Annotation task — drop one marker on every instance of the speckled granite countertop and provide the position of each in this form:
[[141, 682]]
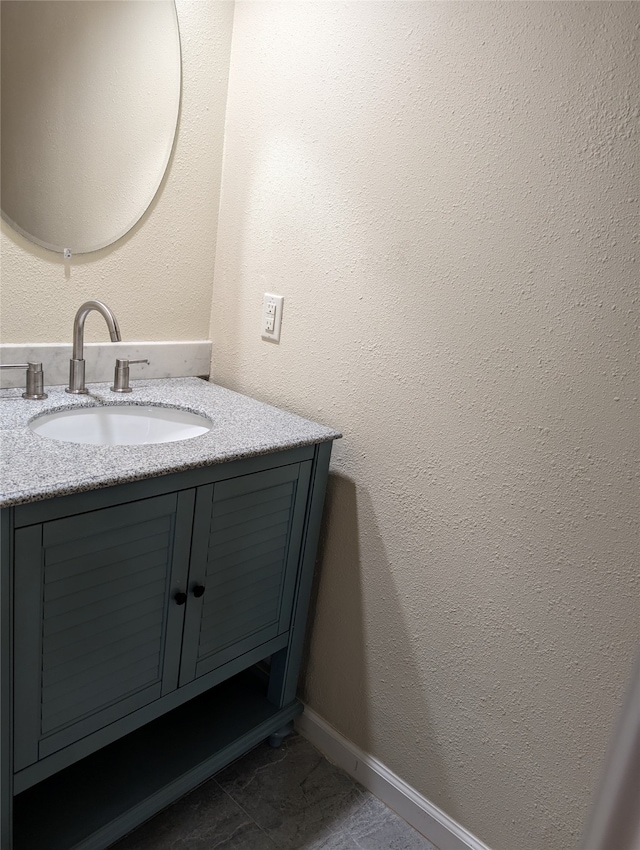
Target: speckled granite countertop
[[34, 468]]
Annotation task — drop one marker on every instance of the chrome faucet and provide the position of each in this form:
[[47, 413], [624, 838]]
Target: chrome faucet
[[77, 364]]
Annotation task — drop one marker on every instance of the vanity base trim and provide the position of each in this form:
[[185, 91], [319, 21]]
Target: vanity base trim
[[147, 770], [63, 758]]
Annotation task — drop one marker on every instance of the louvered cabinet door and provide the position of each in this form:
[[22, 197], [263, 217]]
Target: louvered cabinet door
[[244, 561], [97, 634]]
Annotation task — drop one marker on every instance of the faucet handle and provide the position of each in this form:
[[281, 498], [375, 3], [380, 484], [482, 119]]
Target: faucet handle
[[35, 379], [121, 375]]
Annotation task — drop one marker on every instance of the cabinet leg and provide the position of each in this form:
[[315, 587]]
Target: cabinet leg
[[278, 737]]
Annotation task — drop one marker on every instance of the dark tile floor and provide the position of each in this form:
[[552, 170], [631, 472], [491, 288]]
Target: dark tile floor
[[289, 798]]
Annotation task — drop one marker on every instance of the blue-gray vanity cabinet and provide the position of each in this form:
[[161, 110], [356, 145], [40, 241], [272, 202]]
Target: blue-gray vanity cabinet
[[132, 603], [136, 609]]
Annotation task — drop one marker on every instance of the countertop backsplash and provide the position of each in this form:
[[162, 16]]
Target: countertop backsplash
[[166, 360]]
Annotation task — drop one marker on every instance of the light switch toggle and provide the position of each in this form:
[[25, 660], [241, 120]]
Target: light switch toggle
[[272, 316]]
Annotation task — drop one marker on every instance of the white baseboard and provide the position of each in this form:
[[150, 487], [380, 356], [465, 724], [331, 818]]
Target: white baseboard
[[430, 821]]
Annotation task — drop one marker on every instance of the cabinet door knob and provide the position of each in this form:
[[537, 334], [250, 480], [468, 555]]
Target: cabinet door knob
[[180, 597], [198, 590]]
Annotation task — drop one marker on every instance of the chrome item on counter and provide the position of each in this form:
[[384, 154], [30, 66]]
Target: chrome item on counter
[[121, 375], [77, 364], [34, 380]]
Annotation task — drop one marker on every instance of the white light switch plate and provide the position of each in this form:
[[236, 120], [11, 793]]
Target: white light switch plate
[[272, 316]]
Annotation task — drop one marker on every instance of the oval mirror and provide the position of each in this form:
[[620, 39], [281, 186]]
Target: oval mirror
[[90, 100]]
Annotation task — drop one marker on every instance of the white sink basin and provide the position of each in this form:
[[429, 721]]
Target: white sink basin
[[124, 425]]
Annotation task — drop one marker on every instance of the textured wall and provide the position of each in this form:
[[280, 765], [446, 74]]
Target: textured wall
[[158, 278], [445, 195]]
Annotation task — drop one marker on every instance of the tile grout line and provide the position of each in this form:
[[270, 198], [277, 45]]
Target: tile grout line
[[242, 808]]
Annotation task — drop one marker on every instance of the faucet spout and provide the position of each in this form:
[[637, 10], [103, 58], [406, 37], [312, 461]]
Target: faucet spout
[[78, 325], [77, 363]]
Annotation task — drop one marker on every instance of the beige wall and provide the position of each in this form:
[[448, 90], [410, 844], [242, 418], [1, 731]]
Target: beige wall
[[158, 278], [445, 195]]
